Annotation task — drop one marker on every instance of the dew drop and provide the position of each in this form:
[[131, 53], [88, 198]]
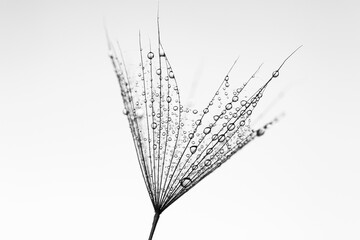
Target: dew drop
[[168, 99], [207, 130], [193, 149], [125, 112], [185, 182], [221, 138], [206, 110], [214, 137], [216, 117], [153, 125], [260, 132], [150, 55], [228, 106], [227, 78], [171, 74], [198, 122], [191, 135], [231, 127], [207, 162], [275, 74], [195, 111], [235, 98], [158, 71]]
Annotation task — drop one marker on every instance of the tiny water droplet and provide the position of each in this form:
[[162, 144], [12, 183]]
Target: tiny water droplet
[[150, 55], [221, 138], [207, 130], [228, 106], [275, 74], [185, 182], [195, 111], [191, 135], [207, 162], [231, 127], [260, 132], [193, 149]]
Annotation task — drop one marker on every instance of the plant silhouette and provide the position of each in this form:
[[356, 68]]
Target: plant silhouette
[[176, 146]]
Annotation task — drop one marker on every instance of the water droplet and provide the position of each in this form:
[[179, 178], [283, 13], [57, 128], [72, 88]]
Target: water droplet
[[231, 127], [193, 149], [235, 98], [191, 135], [214, 137], [228, 106], [153, 125], [207, 130], [150, 55], [185, 182], [168, 99], [260, 132], [198, 122], [275, 74], [171, 74], [125, 112], [227, 78], [195, 111], [207, 162], [158, 71], [216, 117], [221, 138], [206, 110], [243, 103]]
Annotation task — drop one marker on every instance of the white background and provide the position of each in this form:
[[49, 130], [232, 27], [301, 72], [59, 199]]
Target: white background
[[68, 168]]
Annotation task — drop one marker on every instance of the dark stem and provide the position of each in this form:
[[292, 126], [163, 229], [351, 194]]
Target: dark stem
[[155, 221]]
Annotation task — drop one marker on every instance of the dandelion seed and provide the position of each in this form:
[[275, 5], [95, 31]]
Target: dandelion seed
[[176, 146]]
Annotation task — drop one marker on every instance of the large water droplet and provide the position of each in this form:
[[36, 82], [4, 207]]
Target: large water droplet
[[193, 149]]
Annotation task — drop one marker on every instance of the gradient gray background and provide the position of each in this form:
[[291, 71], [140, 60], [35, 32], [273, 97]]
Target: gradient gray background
[[68, 168]]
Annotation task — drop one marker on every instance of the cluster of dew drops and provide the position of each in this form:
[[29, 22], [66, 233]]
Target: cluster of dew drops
[[205, 140]]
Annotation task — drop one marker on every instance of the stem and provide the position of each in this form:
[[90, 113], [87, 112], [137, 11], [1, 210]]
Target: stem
[[155, 221]]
